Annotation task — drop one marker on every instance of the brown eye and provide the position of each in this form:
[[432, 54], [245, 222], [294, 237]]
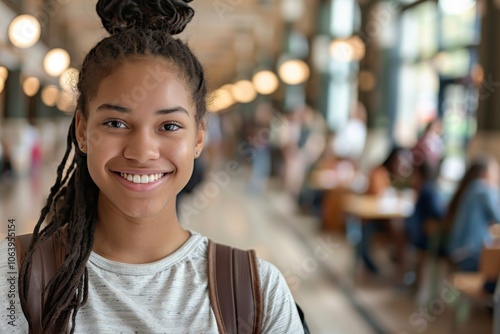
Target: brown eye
[[171, 126], [114, 123]]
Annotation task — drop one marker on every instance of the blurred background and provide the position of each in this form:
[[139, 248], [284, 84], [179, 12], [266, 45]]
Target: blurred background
[[339, 135]]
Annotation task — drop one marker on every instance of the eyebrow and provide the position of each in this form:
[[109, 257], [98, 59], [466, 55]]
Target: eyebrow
[[125, 110]]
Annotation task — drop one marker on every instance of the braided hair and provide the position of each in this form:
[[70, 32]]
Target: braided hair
[[138, 29]]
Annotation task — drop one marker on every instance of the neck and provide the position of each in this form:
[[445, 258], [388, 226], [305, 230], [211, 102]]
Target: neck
[[126, 239]]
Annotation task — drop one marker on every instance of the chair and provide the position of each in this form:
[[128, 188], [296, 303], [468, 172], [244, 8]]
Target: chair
[[471, 284]]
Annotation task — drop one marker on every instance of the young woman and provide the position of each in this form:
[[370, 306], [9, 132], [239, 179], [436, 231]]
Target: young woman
[[130, 266], [473, 208]]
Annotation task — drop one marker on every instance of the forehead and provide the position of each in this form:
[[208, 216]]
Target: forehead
[[144, 81]]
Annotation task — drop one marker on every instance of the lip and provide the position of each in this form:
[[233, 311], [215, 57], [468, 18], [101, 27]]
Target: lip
[[141, 171], [141, 187]]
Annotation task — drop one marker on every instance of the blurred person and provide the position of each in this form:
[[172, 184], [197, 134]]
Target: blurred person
[[305, 131], [322, 177], [33, 133], [260, 141], [430, 206], [350, 140], [127, 263], [424, 226], [473, 208], [292, 163], [381, 180], [429, 147]]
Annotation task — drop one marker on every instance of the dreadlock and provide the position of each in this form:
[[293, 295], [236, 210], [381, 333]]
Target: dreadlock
[[139, 29]]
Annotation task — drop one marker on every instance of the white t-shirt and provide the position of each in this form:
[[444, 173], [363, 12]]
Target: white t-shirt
[[166, 296]]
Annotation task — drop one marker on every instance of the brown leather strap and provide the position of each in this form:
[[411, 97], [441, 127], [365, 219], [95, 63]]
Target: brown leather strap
[[212, 287], [234, 289], [46, 259], [246, 293], [256, 290]]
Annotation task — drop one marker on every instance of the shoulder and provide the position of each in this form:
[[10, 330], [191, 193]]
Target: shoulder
[[280, 311], [480, 189], [270, 275], [273, 284]]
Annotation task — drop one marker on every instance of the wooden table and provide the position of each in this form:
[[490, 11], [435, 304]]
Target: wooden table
[[489, 265], [361, 209], [370, 207], [365, 208]]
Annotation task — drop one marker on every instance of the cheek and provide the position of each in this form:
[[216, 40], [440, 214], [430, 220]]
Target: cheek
[[99, 151], [95, 138], [180, 154], [95, 164], [181, 148]]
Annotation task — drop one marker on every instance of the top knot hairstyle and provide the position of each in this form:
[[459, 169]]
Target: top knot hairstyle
[[169, 16], [140, 29]]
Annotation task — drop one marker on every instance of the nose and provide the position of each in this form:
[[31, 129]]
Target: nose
[[142, 146]]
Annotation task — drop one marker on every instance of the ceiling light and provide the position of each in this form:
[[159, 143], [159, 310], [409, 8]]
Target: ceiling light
[[243, 91], [348, 49], [265, 82], [24, 31], [222, 99], [49, 95], [31, 86], [56, 61], [294, 72]]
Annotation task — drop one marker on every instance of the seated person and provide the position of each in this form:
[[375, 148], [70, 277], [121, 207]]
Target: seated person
[[473, 208], [428, 213], [320, 178], [381, 179], [429, 207]]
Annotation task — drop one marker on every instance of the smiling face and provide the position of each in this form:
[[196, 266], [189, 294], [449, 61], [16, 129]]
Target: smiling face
[[141, 138]]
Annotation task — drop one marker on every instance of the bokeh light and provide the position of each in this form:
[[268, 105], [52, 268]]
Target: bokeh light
[[24, 31]]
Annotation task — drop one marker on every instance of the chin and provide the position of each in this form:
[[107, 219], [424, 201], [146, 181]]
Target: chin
[[147, 210]]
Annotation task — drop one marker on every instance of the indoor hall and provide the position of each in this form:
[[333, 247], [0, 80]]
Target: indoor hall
[[351, 143]]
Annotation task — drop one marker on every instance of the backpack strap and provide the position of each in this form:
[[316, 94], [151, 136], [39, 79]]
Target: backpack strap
[[46, 259], [234, 289]]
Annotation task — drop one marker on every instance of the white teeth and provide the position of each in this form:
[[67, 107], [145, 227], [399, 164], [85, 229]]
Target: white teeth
[[136, 178]]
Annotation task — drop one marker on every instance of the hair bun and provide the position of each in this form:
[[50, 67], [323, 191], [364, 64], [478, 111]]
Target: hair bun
[[171, 16]]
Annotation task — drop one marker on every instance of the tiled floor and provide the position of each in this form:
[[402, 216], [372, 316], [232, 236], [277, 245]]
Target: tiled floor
[[317, 266]]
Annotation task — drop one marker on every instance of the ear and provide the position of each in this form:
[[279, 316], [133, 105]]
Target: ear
[[81, 130], [200, 138]]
